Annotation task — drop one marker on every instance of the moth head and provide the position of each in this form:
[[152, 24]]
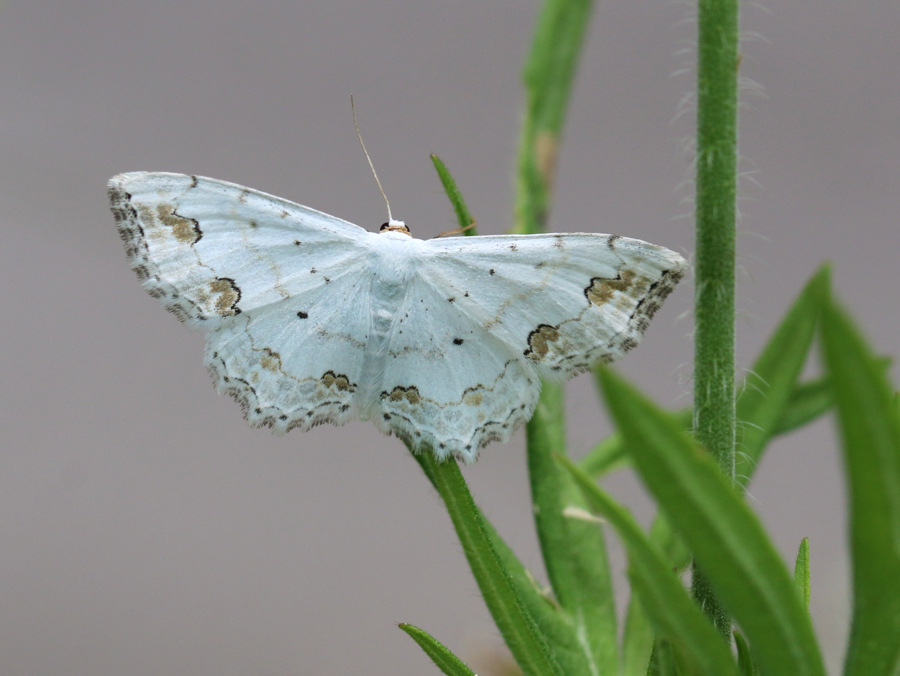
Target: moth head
[[394, 226]]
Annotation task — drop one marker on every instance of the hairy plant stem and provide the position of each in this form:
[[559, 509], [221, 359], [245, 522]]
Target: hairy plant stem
[[714, 399]]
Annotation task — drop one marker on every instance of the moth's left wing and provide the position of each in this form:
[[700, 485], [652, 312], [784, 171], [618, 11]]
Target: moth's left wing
[[564, 301], [210, 250], [299, 362], [283, 290]]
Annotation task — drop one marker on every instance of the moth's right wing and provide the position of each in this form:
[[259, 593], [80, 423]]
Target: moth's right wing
[[563, 301]]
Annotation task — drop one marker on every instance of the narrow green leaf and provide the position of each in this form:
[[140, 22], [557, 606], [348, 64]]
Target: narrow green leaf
[[550, 69], [810, 399], [801, 573], [463, 217], [726, 537], [556, 626], [744, 656], [548, 77], [673, 548], [502, 590], [445, 660], [574, 551], [637, 639], [778, 365], [662, 660], [673, 613], [768, 386], [771, 401], [870, 431], [608, 456]]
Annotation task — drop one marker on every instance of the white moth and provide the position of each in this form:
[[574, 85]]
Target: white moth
[[442, 342]]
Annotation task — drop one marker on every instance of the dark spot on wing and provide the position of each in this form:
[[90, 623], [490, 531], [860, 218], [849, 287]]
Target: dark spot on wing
[[601, 290], [337, 380], [539, 341], [227, 294], [400, 393], [185, 230]]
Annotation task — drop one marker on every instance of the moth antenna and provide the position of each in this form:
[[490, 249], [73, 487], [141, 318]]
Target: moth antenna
[[391, 221]]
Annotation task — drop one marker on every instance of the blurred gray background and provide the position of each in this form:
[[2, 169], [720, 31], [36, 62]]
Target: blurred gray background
[[145, 529]]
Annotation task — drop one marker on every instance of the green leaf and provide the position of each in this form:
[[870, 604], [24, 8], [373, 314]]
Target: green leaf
[[551, 65], [809, 400], [463, 217], [512, 604], [801, 573], [445, 660], [574, 551], [776, 368], [637, 639], [744, 656], [771, 401], [769, 385], [662, 660], [548, 77], [556, 626], [870, 431], [673, 613], [726, 537], [609, 455]]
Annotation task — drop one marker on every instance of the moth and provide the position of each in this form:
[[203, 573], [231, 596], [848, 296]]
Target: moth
[[441, 342]]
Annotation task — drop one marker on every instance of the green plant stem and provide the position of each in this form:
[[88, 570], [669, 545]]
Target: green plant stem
[[714, 398]]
